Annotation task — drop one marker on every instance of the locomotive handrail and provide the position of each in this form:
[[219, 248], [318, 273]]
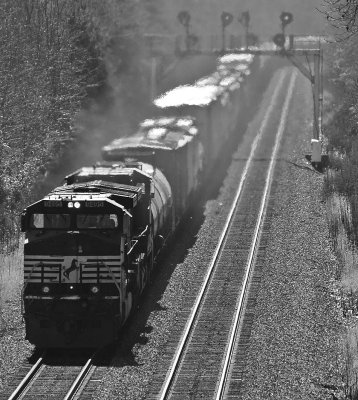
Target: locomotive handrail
[[32, 270], [113, 277], [142, 233], [25, 284], [136, 239]]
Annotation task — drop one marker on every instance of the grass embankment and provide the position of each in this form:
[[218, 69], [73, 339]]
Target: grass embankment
[[341, 192], [342, 208]]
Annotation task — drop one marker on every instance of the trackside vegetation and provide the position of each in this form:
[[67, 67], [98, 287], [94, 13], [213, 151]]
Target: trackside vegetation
[[341, 180], [57, 57]]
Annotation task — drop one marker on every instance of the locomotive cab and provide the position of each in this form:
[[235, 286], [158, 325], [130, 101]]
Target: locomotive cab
[[75, 271]]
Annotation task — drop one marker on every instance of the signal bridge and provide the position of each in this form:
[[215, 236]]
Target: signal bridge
[[308, 59], [304, 52], [290, 51]]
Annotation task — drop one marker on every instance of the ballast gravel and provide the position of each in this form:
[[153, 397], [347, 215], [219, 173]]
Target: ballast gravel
[[296, 348]]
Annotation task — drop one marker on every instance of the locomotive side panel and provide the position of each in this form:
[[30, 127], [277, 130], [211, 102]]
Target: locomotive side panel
[[161, 205]]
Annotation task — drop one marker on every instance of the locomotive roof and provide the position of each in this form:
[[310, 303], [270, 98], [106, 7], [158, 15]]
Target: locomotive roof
[[118, 195], [112, 173], [126, 195], [163, 133], [92, 196], [99, 186]]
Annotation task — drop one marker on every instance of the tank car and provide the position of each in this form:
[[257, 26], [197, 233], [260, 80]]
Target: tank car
[[89, 252]]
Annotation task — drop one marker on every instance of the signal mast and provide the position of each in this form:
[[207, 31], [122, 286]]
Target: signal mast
[[315, 77], [285, 48]]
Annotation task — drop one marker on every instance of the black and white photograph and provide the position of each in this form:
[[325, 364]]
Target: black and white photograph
[[179, 199]]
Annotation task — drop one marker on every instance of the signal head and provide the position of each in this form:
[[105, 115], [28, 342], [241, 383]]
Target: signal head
[[226, 19], [184, 18], [244, 19], [279, 39], [286, 18]]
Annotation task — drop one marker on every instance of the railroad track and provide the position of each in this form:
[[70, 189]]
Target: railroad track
[[54, 378], [209, 361]]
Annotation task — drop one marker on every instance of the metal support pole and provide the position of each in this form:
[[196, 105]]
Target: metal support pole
[[223, 39], [321, 88], [187, 38], [316, 96], [153, 78], [317, 84]]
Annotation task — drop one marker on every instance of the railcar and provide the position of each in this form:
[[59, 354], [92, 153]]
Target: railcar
[[215, 102], [171, 144], [90, 243]]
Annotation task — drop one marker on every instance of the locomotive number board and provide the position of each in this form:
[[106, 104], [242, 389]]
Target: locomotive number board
[[94, 203], [59, 203]]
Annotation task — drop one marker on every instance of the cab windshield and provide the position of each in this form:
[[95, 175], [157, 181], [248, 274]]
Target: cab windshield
[[50, 221], [96, 221], [77, 221]]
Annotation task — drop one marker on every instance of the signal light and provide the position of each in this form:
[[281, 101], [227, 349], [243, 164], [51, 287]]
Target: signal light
[[45, 289], [279, 39], [286, 18], [244, 19], [94, 289], [226, 19], [184, 18]]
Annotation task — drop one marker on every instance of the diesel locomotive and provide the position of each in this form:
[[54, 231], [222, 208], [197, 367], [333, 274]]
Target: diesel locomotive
[[90, 244]]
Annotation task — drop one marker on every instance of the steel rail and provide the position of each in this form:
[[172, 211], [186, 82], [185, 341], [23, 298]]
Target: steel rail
[[29, 376], [80, 378], [24, 384], [189, 325], [259, 223]]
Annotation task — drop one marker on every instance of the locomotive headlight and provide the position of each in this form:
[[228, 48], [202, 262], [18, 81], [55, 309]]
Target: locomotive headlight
[[77, 204], [94, 289], [70, 204], [45, 289]]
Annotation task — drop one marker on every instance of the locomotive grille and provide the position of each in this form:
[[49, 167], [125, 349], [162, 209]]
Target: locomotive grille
[[42, 269]]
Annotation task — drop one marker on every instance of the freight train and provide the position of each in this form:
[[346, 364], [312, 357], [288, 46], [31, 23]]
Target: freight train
[[91, 243]]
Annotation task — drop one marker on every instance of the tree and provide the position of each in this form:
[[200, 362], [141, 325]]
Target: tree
[[343, 15]]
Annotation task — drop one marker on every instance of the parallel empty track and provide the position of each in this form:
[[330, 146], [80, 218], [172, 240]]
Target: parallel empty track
[[210, 358]]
